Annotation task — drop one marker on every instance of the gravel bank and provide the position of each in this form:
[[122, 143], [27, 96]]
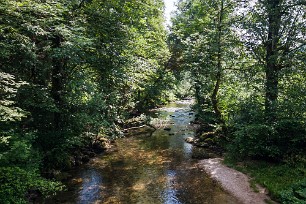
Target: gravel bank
[[234, 182]]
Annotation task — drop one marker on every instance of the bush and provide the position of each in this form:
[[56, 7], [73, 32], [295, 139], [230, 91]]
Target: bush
[[270, 141], [16, 183], [19, 169], [296, 194], [256, 141], [291, 135]]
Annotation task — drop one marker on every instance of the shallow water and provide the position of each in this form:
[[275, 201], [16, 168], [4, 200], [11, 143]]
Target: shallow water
[[155, 168]]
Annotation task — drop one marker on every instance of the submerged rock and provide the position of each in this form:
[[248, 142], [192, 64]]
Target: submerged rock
[[200, 143], [76, 181], [189, 140], [138, 130]]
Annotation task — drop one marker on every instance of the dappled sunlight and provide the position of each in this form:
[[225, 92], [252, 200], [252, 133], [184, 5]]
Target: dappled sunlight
[[155, 169]]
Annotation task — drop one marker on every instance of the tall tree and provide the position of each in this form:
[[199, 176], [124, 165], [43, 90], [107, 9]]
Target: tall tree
[[206, 43], [214, 95], [275, 36]]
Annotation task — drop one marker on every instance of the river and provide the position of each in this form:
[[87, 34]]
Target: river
[[148, 169]]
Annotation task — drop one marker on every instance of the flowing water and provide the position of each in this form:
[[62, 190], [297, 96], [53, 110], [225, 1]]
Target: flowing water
[[154, 168]]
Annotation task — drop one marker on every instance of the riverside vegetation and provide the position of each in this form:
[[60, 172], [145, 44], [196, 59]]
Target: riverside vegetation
[[73, 72]]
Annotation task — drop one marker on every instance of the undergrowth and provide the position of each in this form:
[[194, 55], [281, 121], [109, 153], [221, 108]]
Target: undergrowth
[[285, 182]]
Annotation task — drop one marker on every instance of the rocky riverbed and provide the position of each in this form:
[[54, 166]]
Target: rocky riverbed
[[155, 167]]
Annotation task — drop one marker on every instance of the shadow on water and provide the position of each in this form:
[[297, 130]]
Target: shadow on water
[[148, 169]]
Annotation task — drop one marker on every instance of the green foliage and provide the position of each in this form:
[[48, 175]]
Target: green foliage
[[17, 150], [131, 59], [72, 71], [291, 136], [8, 90], [19, 169], [255, 140], [204, 49], [184, 88], [296, 194], [285, 182], [16, 183], [246, 64]]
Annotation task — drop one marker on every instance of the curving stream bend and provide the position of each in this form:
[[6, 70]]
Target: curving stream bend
[[151, 169]]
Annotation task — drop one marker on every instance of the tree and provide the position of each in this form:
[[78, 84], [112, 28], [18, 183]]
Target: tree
[[207, 41], [246, 60], [274, 34]]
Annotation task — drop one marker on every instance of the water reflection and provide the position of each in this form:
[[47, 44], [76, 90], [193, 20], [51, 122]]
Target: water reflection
[[169, 194], [187, 150], [90, 189], [155, 169]]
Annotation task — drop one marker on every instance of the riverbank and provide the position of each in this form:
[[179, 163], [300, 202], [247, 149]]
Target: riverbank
[[235, 182], [283, 181], [148, 168]]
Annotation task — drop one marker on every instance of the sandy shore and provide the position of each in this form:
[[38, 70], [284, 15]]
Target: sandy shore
[[234, 182]]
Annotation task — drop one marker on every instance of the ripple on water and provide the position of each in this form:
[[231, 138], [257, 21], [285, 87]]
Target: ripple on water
[[149, 170], [90, 189], [169, 194]]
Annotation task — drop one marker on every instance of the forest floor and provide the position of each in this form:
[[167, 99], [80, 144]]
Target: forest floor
[[235, 182]]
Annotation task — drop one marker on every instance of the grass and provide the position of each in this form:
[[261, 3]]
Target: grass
[[276, 177]]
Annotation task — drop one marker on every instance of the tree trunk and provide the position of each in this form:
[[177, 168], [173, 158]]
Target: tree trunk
[[214, 96], [197, 93], [272, 71], [214, 99]]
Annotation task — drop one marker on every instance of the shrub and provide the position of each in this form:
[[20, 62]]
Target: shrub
[[291, 136], [274, 141], [296, 194], [255, 140], [17, 182]]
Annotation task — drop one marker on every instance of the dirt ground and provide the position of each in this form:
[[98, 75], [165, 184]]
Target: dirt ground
[[235, 182]]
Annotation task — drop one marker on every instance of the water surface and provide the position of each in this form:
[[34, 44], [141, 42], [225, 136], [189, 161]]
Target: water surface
[[154, 168]]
